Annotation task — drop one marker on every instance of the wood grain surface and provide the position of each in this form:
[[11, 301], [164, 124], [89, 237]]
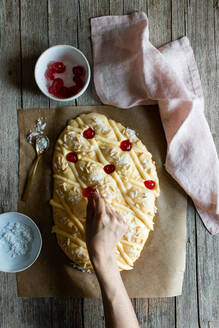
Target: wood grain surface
[[26, 29]]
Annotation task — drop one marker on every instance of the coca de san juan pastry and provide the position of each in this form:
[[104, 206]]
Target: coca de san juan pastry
[[97, 153]]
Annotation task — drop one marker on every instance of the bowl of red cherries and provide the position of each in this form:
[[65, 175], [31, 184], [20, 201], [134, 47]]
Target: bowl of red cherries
[[62, 73]]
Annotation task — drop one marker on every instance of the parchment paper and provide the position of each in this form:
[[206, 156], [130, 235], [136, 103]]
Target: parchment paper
[[160, 269]]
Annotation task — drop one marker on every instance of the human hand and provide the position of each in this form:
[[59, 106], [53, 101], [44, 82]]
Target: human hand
[[104, 229]]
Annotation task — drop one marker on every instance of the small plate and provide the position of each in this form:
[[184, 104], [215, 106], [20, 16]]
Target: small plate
[[20, 262]]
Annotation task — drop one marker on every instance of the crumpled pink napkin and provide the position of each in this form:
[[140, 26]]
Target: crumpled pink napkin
[[129, 71]]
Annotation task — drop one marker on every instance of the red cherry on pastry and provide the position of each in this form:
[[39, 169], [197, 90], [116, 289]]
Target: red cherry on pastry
[[126, 145], [89, 133], [72, 157], [150, 184], [57, 67], [88, 192], [109, 168]]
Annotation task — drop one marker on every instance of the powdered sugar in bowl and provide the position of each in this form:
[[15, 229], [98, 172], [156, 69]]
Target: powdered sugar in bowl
[[20, 242], [57, 73]]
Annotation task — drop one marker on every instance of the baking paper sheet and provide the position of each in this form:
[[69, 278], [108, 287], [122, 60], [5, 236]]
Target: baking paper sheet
[[160, 269]]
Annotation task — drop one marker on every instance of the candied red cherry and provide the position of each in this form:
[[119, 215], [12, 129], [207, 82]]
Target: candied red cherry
[[49, 74], [57, 67], [88, 192], [51, 91], [78, 70], [73, 90], [79, 82], [50, 67], [56, 86], [150, 184], [72, 157], [63, 92], [89, 133], [109, 168], [126, 145]]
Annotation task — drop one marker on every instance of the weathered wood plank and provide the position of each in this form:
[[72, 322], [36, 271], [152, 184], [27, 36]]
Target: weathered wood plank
[[161, 312], [207, 271], [86, 10], [9, 99], [66, 312], [12, 309], [141, 309], [33, 312], [159, 14], [135, 5], [116, 7], [63, 29], [216, 54], [92, 309], [93, 314], [140, 305], [186, 304], [201, 29], [8, 303], [34, 40], [178, 13]]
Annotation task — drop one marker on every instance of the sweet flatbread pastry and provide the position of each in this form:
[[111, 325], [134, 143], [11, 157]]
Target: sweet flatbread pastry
[[97, 153]]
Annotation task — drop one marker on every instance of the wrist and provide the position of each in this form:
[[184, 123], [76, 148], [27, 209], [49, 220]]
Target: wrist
[[108, 276], [104, 265], [101, 261]]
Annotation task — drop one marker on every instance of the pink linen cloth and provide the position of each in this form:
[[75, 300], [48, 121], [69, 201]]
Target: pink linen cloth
[[130, 71]]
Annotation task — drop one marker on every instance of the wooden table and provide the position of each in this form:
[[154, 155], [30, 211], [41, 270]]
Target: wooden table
[[28, 28]]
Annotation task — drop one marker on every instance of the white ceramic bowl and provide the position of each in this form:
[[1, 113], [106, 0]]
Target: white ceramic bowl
[[20, 262], [70, 56]]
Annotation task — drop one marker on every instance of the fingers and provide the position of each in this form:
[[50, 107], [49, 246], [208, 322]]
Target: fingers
[[121, 220], [115, 215], [99, 205], [119, 217], [109, 211]]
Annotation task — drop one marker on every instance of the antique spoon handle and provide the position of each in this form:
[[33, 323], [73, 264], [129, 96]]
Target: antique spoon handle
[[30, 178]]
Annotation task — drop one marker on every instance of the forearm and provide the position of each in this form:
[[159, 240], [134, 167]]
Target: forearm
[[118, 309]]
